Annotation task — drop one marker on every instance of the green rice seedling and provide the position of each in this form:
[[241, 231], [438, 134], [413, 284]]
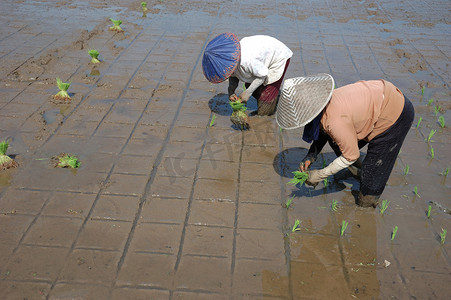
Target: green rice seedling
[[419, 121], [144, 7], [239, 116], [415, 191], [299, 178], [116, 25], [334, 205], [422, 91], [94, 56], [437, 109], [428, 212], [63, 87], [445, 172], [6, 162], [289, 201], [326, 182], [431, 134], [443, 236], [384, 206], [441, 121], [344, 225], [213, 119], [431, 150], [430, 101], [296, 226], [406, 170], [393, 234], [64, 160]]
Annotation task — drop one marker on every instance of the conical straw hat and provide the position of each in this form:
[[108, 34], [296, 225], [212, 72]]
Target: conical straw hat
[[302, 99], [221, 57]]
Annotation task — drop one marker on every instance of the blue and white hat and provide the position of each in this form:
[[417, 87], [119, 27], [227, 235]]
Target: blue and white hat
[[221, 57]]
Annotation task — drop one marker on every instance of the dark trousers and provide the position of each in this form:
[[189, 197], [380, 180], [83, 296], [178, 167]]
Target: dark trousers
[[382, 152]]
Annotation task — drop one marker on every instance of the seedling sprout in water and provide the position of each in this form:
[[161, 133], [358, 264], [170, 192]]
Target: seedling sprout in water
[[289, 201], [213, 119], [441, 121], [299, 178], [94, 56], [430, 101], [415, 191], [384, 206], [334, 205], [437, 109], [431, 134], [344, 225], [6, 162], [443, 236], [326, 182], [393, 234], [432, 152], [64, 160], [63, 87], [419, 121], [445, 173], [296, 226], [428, 212], [116, 25], [406, 170]]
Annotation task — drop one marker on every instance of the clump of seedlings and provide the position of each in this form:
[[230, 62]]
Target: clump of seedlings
[[384, 206], [239, 116], [393, 234], [6, 162], [443, 236], [299, 178], [296, 226], [344, 225], [144, 8], [64, 160], [94, 56], [116, 25], [441, 121], [62, 95]]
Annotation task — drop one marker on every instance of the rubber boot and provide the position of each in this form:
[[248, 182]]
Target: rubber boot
[[367, 201]]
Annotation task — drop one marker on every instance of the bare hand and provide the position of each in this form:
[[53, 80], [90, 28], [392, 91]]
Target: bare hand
[[233, 97], [303, 166]]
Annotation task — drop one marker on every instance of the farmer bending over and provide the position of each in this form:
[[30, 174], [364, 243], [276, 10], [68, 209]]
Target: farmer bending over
[[366, 112], [259, 61]]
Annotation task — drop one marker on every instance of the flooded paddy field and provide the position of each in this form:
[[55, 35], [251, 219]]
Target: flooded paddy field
[[170, 201]]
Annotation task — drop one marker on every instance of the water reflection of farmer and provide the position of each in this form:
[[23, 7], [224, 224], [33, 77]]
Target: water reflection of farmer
[[366, 112], [259, 61]]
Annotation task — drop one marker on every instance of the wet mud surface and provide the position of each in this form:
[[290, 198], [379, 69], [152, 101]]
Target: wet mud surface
[[167, 204]]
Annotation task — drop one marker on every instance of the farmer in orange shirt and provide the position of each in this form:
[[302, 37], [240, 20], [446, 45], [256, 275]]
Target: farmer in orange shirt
[[373, 113]]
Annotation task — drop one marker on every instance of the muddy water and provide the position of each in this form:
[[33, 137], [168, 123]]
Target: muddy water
[[167, 204]]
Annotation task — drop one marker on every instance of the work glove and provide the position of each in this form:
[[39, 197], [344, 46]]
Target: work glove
[[315, 177], [245, 96]]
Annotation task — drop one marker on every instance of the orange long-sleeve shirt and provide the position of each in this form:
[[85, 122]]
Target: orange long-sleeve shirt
[[361, 111]]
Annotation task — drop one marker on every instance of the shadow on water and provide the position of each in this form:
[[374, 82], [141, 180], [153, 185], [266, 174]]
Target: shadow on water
[[219, 104], [287, 161]]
